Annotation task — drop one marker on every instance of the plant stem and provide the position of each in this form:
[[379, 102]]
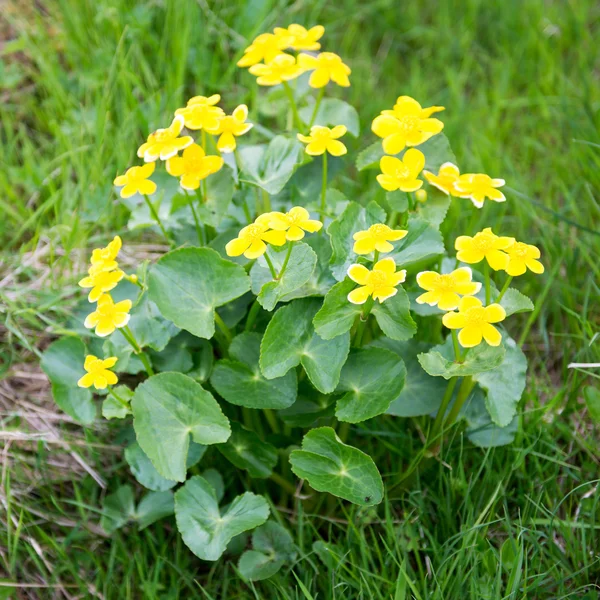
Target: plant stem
[[466, 387], [343, 431], [456, 346], [118, 398], [323, 188], [203, 182], [266, 201], [254, 309], [286, 260], [392, 219], [224, 329], [199, 232], [439, 417], [157, 218], [316, 109], [290, 95], [280, 481], [128, 335], [271, 419], [504, 288], [488, 293], [271, 266], [375, 257], [362, 322]]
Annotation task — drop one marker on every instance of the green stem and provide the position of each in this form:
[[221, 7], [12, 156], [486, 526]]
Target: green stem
[[118, 398], [316, 109], [266, 201], [323, 188], [466, 387], [343, 430], [271, 266], [457, 354], [290, 95], [375, 257], [504, 288], [254, 310], [128, 335], [488, 292], [203, 182], [362, 321], [199, 232], [157, 218], [439, 417], [280, 481], [392, 219], [271, 419], [286, 260], [224, 329]]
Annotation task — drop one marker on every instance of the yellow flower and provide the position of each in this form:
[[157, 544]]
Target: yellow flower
[[232, 126], [201, 113], [377, 237], [100, 282], [380, 283], [108, 316], [294, 223], [193, 166], [135, 181], [521, 257], [421, 196], [282, 68], [300, 37], [104, 259], [264, 48], [475, 322], [164, 143], [251, 239], [322, 139], [444, 290], [406, 125], [98, 373], [477, 187], [327, 66], [402, 174], [484, 244], [445, 179]]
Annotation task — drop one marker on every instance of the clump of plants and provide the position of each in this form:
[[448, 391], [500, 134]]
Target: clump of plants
[[286, 312]]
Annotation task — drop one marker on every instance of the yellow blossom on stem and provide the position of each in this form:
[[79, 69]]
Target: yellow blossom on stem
[[377, 238], [475, 322], [326, 67], [521, 257], [164, 143], [265, 47], [322, 139], [101, 282], [252, 240], [485, 244], [295, 222], [104, 259], [444, 181], [282, 68], [401, 174], [408, 124], [445, 290], [98, 373], [201, 113], [135, 181], [300, 37], [193, 166], [108, 316], [477, 187], [380, 283], [232, 126]]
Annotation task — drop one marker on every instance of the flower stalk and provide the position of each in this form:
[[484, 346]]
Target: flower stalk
[[128, 335]]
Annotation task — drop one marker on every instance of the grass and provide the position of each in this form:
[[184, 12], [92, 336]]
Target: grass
[[82, 82]]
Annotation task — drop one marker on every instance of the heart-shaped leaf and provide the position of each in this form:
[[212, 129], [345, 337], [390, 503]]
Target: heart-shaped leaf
[[331, 466], [153, 507], [190, 283], [372, 379], [481, 430], [114, 407], [514, 301], [168, 408], [205, 531], [332, 112], [422, 243], [219, 192]]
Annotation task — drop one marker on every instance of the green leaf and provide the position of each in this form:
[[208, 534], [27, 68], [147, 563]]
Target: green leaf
[[435, 209], [372, 379], [354, 218], [205, 531], [422, 243], [219, 192], [298, 271], [245, 450], [153, 507], [504, 384], [216, 481], [332, 112], [112, 408], [331, 466], [480, 428], [149, 327], [63, 364], [422, 393], [437, 151], [241, 382], [338, 315], [272, 547], [305, 413], [592, 401], [117, 509], [369, 157], [188, 284], [514, 301], [290, 340], [143, 470], [439, 361], [398, 201], [270, 166], [167, 409]]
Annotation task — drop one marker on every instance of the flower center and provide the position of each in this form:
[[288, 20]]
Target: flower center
[[378, 230], [329, 60], [446, 283], [227, 124], [378, 279], [193, 165], [484, 242], [475, 315], [408, 122], [162, 135], [481, 181], [519, 249], [254, 231], [402, 171]]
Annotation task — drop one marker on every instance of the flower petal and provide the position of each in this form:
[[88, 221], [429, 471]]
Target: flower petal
[[358, 273], [454, 320], [386, 265], [470, 336], [359, 295], [491, 335], [427, 280], [494, 313]]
